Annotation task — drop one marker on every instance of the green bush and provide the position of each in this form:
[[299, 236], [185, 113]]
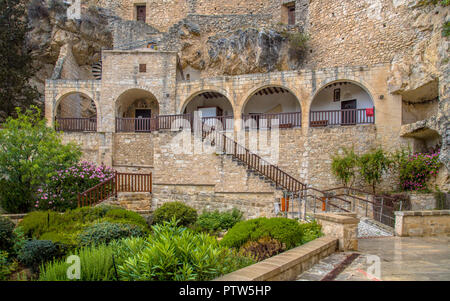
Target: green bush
[[184, 214], [176, 253], [264, 248], [344, 167], [65, 228], [31, 154], [6, 266], [105, 232], [310, 231], [36, 252], [7, 236], [285, 230], [216, 221]]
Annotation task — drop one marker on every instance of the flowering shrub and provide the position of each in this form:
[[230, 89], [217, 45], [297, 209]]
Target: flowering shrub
[[417, 169], [60, 192]]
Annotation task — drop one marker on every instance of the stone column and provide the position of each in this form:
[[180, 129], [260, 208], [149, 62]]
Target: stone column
[[344, 227]]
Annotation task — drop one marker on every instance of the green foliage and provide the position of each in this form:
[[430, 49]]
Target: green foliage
[[7, 236], [6, 266], [372, 166], [30, 154], [434, 2], [16, 63], [66, 228], [310, 231], [416, 169], [36, 252], [298, 43], [264, 248], [184, 214], [105, 232], [61, 190], [176, 253], [446, 29], [344, 167], [217, 221], [285, 230], [441, 200]]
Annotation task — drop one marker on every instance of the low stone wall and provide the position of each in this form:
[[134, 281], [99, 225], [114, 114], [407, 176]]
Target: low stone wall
[[422, 201], [342, 226], [136, 201], [422, 223], [288, 265], [15, 218]]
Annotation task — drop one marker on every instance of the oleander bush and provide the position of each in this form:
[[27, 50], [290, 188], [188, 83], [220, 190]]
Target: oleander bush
[[105, 232], [286, 231], [218, 221], [184, 214]]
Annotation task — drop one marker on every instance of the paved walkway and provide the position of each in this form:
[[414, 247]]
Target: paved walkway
[[400, 258]]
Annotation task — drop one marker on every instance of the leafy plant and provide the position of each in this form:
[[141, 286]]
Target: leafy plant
[[344, 167], [105, 232], [6, 266], [285, 230], [310, 231], [184, 214], [61, 190], [36, 252], [7, 236], [264, 248], [176, 253], [372, 166], [30, 154], [216, 221], [416, 169]]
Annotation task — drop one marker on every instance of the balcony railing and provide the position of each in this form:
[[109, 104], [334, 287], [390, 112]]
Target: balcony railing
[[342, 117], [267, 121], [76, 124]]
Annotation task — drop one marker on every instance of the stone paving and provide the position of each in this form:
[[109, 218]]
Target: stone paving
[[401, 259]]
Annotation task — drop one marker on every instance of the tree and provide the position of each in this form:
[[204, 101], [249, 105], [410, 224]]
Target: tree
[[15, 59], [372, 166], [30, 154], [344, 167]]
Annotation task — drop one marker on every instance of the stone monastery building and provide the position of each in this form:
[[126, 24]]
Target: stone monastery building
[[369, 73]]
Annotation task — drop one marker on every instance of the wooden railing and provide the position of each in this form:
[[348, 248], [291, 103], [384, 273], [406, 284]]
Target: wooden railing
[[120, 182], [266, 121], [342, 117], [76, 124]]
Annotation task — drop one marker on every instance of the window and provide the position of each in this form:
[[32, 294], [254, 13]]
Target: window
[[291, 15], [142, 68], [141, 13]]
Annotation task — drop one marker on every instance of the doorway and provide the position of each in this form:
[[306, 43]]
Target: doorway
[[143, 118], [348, 113]]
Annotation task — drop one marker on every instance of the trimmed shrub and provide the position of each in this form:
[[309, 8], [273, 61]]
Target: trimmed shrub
[[310, 231], [104, 233], [216, 221], [125, 216], [7, 236], [264, 248], [184, 214], [36, 252], [284, 230], [176, 253]]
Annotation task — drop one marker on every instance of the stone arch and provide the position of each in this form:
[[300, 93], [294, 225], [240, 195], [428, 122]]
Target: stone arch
[[63, 95], [341, 102], [221, 91], [132, 99]]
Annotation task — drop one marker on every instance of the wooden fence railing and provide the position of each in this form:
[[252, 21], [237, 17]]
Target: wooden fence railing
[[266, 121], [342, 117], [120, 182], [76, 124]]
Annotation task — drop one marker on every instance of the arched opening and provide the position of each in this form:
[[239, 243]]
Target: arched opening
[[214, 107], [76, 112], [135, 110], [342, 103], [272, 103]]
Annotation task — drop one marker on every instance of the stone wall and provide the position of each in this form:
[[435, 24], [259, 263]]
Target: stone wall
[[344, 227], [133, 150], [422, 223]]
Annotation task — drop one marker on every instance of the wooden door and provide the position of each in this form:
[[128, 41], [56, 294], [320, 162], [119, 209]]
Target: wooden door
[[348, 115], [142, 122], [141, 13]]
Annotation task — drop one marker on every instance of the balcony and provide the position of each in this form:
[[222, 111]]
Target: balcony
[[342, 117]]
